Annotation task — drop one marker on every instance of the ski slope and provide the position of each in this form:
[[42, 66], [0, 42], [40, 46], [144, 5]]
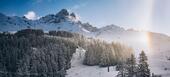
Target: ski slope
[[79, 70]]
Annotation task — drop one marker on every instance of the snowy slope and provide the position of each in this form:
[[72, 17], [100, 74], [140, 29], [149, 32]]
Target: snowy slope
[[159, 54], [13, 23], [79, 70], [155, 45]]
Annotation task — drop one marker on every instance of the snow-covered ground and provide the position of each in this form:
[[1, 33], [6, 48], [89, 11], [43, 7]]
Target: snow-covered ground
[[79, 70], [155, 45], [158, 55]]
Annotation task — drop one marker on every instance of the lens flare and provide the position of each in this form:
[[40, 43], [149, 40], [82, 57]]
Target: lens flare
[[147, 19], [145, 36]]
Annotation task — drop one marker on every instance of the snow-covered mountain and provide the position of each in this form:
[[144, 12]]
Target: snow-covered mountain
[[156, 45], [63, 20]]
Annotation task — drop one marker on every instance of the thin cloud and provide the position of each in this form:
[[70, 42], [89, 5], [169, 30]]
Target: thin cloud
[[78, 6]]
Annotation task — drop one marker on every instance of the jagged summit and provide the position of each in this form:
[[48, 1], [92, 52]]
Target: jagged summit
[[63, 12], [62, 16]]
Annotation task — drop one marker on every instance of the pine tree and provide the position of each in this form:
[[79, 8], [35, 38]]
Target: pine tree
[[131, 66], [128, 69], [143, 70], [123, 72]]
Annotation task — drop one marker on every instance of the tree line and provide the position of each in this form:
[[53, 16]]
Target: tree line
[[102, 53], [30, 53], [33, 53]]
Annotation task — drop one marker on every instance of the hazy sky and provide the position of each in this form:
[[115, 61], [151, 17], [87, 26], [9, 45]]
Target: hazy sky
[[151, 15]]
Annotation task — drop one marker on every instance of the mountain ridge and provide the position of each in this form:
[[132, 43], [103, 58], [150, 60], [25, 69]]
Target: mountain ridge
[[55, 22]]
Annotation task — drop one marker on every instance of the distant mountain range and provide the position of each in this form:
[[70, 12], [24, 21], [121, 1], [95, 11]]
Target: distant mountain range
[[63, 20]]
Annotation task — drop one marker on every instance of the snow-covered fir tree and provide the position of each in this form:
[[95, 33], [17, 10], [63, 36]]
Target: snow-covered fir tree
[[143, 70], [131, 69], [123, 72], [131, 66]]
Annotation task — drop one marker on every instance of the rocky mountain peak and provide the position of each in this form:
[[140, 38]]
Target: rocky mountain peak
[[63, 12], [73, 15]]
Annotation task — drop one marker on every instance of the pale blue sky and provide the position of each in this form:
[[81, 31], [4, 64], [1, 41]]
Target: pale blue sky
[[151, 15]]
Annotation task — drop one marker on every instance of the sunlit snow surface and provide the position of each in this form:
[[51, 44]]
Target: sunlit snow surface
[[79, 70], [158, 54], [155, 45]]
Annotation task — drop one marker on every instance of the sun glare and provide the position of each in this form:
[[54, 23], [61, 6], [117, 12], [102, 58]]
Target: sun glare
[[144, 39]]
